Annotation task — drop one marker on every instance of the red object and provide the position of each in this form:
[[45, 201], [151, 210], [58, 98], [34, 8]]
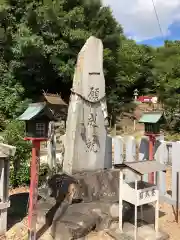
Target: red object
[[144, 99], [33, 194], [152, 140]]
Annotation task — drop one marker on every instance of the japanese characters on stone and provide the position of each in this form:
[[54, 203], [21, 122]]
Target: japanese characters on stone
[[93, 94], [92, 120], [91, 145]]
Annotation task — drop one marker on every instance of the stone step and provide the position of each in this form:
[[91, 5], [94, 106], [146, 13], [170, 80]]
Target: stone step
[[145, 232]]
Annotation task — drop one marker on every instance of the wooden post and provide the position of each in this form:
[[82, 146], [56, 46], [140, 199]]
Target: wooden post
[[32, 215], [141, 207], [157, 210], [135, 215], [120, 201], [177, 198], [151, 155], [3, 212]]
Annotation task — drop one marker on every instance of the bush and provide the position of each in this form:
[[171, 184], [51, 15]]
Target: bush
[[19, 165], [172, 137]]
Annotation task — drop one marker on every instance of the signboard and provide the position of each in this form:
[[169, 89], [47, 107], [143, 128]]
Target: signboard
[[147, 99]]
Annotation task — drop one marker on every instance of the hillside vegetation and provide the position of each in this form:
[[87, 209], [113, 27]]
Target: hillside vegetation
[[39, 43]]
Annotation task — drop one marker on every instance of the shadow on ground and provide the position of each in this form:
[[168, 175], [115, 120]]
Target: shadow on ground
[[18, 209], [148, 215]]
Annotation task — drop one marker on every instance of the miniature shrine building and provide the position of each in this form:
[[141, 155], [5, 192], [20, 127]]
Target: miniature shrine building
[[58, 106], [152, 122]]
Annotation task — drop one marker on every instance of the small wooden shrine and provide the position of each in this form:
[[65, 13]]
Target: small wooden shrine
[[37, 117], [56, 104], [139, 192], [152, 122]]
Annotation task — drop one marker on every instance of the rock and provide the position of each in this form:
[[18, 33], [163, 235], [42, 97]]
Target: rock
[[98, 185], [117, 235], [43, 208], [114, 210], [128, 210], [74, 225], [60, 231], [81, 218], [59, 184], [97, 193], [104, 224], [145, 232]]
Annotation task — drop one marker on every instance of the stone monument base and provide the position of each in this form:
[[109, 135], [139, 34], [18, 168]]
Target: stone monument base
[[145, 232]]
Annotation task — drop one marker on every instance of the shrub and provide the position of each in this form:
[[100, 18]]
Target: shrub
[[19, 165]]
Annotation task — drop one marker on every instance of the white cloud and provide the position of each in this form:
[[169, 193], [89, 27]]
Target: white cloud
[[138, 16]]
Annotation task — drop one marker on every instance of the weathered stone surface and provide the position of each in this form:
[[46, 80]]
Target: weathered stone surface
[[43, 208], [59, 184], [98, 185], [95, 191], [91, 186], [114, 210], [79, 218], [60, 232], [117, 235], [128, 211], [86, 135], [104, 224], [74, 225], [145, 232]]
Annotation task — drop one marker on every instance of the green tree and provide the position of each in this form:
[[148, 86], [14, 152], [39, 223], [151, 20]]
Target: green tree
[[167, 79]]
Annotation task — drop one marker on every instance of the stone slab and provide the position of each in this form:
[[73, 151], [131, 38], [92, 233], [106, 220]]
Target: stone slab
[[145, 232]]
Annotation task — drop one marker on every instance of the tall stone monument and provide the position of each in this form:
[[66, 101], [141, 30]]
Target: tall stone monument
[[86, 136]]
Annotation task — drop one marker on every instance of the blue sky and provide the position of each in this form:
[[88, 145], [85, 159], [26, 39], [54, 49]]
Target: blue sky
[[139, 20], [174, 34]]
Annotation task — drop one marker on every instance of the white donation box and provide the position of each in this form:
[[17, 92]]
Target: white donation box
[[139, 192]]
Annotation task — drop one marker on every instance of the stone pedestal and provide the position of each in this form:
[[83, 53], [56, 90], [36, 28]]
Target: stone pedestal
[[5, 152], [145, 232]]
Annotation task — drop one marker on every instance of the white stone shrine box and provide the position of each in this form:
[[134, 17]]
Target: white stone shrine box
[[6, 151], [139, 192]]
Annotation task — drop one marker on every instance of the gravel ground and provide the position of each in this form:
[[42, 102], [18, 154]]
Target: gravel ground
[[167, 222]]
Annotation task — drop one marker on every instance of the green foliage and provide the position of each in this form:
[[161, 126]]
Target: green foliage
[[39, 43], [13, 135], [167, 81], [172, 136]]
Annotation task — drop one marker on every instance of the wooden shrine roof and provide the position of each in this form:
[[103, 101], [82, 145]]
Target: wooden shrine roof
[[54, 99], [34, 110], [151, 117], [143, 167]]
